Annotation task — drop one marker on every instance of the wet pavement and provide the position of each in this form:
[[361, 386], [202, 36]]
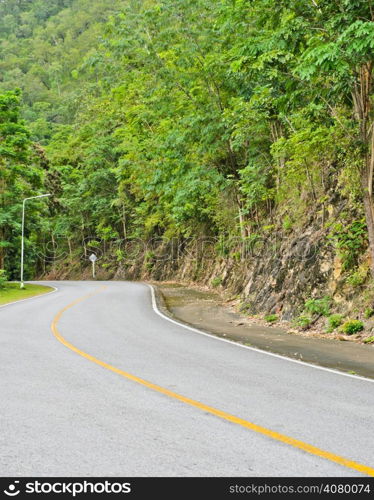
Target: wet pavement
[[206, 311]]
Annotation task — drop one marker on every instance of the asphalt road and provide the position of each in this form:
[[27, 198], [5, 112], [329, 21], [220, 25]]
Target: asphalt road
[[65, 415]]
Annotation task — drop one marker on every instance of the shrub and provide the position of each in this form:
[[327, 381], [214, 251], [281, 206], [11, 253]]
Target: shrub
[[369, 312], [357, 278], [333, 322], [271, 318], [149, 261], [303, 322], [350, 239], [369, 340], [287, 223], [318, 306], [3, 278], [352, 326], [216, 281], [236, 255]]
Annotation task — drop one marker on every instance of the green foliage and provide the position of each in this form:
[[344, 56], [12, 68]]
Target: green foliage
[[333, 322], [358, 277], [287, 223], [20, 176], [352, 326], [302, 321], [58, 35], [350, 240], [318, 306], [247, 308], [164, 118], [217, 281], [369, 312], [3, 278], [369, 340], [149, 260], [254, 181], [271, 318]]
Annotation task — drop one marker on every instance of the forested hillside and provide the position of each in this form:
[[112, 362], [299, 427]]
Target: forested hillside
[[247, 123]]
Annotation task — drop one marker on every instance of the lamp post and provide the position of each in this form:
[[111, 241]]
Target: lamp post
[[23, 231]]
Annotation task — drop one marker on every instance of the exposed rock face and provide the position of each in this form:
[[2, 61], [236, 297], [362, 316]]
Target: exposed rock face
[[277, 274]]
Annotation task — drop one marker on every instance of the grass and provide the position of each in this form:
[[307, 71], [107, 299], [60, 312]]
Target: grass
[[216, 281], [12, 292], [369, 340], [271, 318], [302, 322], [333, 322]]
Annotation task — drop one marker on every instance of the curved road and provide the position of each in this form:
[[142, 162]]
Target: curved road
[[64, 414]]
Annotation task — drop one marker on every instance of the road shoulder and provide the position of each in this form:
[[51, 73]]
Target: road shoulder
[[205, 311]]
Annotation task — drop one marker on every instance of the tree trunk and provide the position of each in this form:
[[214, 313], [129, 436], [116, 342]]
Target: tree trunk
[[124, 221], [70, 251], [276, 132], [241, 218], [367, 188], [368, 206], [361, 94]]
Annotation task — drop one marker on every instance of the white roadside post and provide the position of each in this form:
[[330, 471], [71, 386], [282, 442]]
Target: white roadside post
[[22, 285], [93, 259]]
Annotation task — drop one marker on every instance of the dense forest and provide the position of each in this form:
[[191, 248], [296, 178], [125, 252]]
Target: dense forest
[[158, 119]]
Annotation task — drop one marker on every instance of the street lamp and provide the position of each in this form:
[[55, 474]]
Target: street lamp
[[23, 230]]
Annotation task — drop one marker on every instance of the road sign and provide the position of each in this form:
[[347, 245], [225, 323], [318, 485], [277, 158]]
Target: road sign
[[93, 259]]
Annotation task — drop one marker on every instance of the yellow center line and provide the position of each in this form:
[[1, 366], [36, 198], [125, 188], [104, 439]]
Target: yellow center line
[[313, 450]]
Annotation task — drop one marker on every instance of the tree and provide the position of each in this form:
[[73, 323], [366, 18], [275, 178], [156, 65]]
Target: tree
[[341, 51], [19, 177]]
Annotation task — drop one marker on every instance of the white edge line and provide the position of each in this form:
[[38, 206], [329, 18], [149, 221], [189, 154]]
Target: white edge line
[[256, 349], [55, 289]]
